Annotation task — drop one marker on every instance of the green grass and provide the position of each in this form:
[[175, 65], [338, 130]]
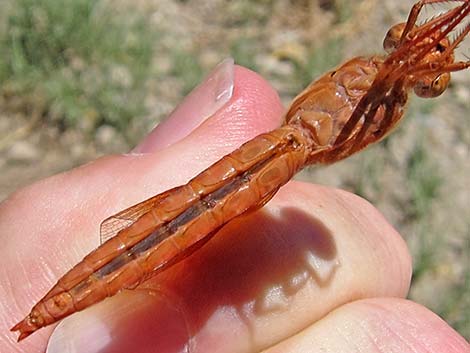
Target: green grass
[[243, 12], [186, 66], [457, 302], [84, 59], [344, 10], [423, 183], [367, 183], [244, 51]]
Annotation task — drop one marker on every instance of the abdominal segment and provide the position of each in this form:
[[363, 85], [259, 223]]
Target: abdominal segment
[[240, 181], [248, 187]]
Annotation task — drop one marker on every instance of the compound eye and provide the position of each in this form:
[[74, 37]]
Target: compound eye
[[392, 38], [433, 89], [440, 84]]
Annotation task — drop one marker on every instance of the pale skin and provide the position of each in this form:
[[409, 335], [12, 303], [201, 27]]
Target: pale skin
[[252, 287]]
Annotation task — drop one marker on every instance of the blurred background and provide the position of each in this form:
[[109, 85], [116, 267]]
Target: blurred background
[[84, 78]]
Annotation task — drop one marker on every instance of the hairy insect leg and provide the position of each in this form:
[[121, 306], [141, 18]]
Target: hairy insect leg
[[414, 13], [452, 67], [459, 38]]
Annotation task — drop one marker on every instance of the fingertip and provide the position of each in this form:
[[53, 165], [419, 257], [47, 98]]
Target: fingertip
[[363, 237], [396, 321], [377, 325], [371, 220], [254, 108], [260, 98], [230, 106], [200, 104]]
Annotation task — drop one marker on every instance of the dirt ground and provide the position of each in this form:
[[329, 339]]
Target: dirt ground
[[430, 150]]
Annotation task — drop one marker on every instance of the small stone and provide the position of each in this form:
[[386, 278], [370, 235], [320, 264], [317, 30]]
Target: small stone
[[109, 140], [23, 151], [463, 94], [273, 65]]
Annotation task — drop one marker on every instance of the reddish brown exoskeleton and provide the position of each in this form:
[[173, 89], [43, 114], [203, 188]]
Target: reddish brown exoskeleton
[[344, 111]]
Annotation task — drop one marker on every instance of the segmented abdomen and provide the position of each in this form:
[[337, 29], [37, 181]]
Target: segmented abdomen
[[183, 218]]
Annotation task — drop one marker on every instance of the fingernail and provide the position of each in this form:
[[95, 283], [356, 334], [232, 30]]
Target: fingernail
[[205, 100], [136, 321]]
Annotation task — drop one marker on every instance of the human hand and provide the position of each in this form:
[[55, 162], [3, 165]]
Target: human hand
[[316, 269]]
